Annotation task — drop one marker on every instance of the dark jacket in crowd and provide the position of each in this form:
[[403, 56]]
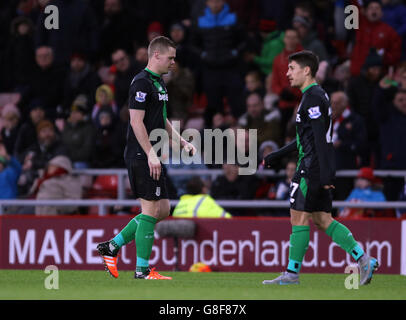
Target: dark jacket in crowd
[[109, 143], [122, 83], [85, 82], [78, 30], [19, 61], [351, 132], [392, 124], [219, 39], [47, 86], [78, 139]]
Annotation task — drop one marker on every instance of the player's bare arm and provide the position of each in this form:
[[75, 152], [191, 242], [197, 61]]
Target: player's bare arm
[[175, 136]]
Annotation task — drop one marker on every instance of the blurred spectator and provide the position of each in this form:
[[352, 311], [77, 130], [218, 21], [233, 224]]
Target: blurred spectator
[[126, 70], [184, 54], [272, 45], [256, 117], [78, 31], [141, 56], [365, 189], [11, 124], [104, 99], [34, 160], [155, 29], [349, 141], [46, 83], [247, 12], [400, 76], [10, 169], [108, 143], [19, 55], [180, 85], [308, 37], [394, 13], [117, 21], [81, 79], [57, 183], [360, 93], [266, 188], [253, 83], [289, 97], [280, 11], [27, 134], [349, 133], [390, 113], [233, 186], [283, 186], [386, 40], [219, 40], [78, 135], [196, 203]]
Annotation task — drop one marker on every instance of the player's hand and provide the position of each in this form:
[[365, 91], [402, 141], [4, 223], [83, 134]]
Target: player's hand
[[270, 161], [189, 148], [329, 187], [154, 165]]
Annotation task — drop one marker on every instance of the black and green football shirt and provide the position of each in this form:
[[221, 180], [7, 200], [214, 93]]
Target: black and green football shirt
[[147, 92], [314, 136]]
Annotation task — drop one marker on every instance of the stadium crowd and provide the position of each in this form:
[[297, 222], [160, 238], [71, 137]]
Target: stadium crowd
[[63, 92]]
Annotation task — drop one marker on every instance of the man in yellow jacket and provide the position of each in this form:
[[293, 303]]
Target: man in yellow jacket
[[197, 203]]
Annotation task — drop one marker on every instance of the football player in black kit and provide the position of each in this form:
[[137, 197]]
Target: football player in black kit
[[312, 184], [147, 106]]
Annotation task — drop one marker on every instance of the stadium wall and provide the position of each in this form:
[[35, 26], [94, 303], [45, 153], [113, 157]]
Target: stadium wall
[[238, 244]]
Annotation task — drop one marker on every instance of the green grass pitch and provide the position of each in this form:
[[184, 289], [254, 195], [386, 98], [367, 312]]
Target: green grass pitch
[[94, 285]]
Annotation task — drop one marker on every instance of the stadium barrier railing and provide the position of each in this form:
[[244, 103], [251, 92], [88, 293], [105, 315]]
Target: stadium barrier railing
[[122, 175], [103, 204]]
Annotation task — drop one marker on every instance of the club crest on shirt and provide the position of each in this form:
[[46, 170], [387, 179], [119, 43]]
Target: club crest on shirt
[[314, 112], [140, 96]]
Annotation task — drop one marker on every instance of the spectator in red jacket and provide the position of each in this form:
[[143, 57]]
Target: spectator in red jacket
[[374, 33], [288, 97]]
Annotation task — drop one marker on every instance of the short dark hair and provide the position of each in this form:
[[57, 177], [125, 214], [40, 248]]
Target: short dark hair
[[194, 186], [306, 58], [160, 43]]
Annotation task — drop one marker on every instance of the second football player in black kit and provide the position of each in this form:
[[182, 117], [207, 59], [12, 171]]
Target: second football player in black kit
[[312, 184]]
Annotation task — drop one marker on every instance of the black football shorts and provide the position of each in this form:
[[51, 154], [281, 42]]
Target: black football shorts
[[308, 195], [142, 184]]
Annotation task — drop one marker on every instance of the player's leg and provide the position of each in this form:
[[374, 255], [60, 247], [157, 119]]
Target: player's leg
[[144, 238], [299, 242], [127, 234], [299, 239], [341, 235]]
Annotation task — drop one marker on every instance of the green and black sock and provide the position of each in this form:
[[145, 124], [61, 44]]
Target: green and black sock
[[127, 234], [299, 242], [144, 240], [344, 238]]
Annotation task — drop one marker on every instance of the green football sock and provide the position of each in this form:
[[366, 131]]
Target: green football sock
[[127, 234], [344, 238], [144, 239], [299, 242]]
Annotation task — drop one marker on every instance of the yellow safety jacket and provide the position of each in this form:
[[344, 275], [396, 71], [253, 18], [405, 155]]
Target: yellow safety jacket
[[199, 206]]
